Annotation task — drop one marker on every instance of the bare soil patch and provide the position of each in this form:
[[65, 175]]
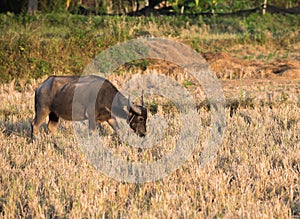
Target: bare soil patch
[[228, 67]]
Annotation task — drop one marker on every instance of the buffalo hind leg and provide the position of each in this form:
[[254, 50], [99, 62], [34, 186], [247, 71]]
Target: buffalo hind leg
[[39, 118], [53, 122]]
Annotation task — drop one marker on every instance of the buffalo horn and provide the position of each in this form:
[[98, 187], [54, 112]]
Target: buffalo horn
[[143, 104]]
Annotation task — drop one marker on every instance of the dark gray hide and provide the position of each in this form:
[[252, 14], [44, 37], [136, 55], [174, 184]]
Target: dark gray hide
[[54, 98]]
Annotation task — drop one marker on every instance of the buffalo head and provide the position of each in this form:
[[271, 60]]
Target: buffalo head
[[137, 117]]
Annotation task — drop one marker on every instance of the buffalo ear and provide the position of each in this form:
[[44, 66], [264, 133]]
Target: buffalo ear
[[131, 106], [136, 109]]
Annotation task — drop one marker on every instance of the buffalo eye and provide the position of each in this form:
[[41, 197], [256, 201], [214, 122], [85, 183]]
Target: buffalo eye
[[141, 119]]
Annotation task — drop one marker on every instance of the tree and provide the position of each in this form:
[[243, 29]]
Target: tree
[[264, 7], [32, 6]]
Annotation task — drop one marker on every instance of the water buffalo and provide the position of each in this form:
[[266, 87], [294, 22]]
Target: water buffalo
[[96, 100]]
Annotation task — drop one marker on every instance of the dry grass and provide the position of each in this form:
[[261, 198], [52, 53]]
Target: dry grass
[[255, 175]]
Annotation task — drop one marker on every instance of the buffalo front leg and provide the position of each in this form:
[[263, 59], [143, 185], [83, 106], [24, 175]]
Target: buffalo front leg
[[92, 125], [113, 123], [91, 118]]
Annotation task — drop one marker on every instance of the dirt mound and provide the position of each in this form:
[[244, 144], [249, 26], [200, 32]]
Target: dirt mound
[[227, 67]]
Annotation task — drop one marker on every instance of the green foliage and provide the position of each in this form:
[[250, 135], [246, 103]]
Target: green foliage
[[117, 7], [214, 6], [242, 4], [260, 28], [284, 3], [140, 64], [194, 6]]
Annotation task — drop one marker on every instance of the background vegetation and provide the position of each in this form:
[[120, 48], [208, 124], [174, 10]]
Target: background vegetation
[[129, 6], [61, 43]]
